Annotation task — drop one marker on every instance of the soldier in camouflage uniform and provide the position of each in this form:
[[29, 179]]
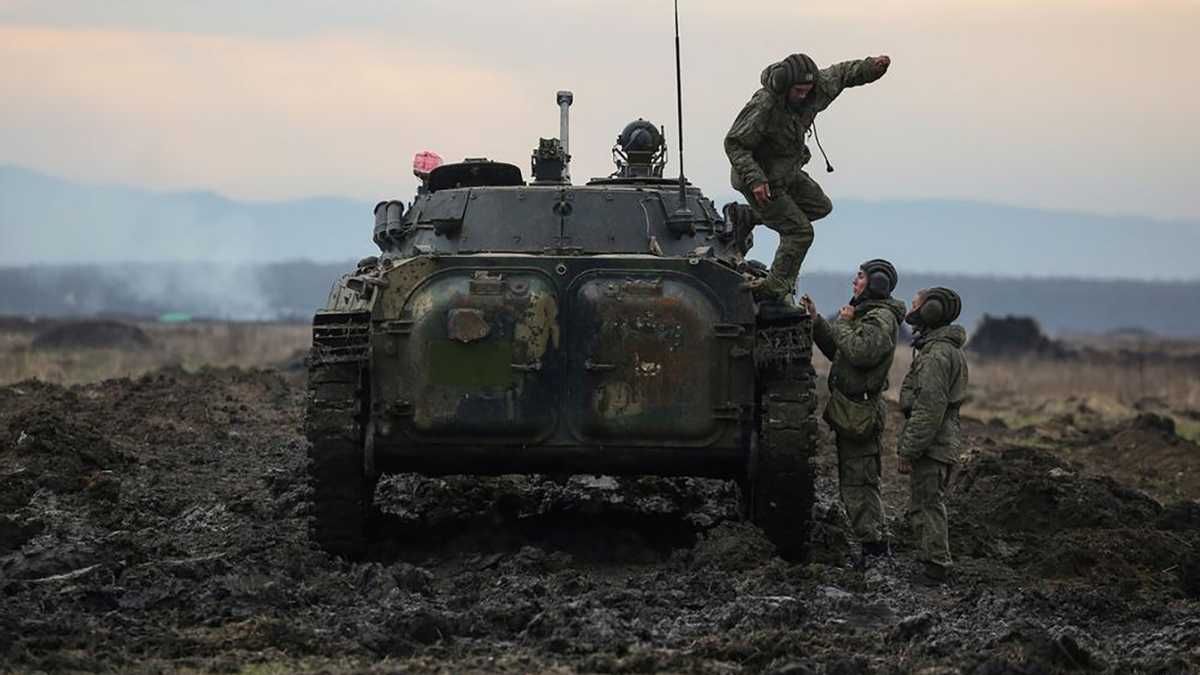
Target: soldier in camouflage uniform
[[931, 440], [861, 343], [766, 146]]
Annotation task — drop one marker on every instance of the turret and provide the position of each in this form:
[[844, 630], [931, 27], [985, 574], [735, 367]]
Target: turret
[[640, 151]]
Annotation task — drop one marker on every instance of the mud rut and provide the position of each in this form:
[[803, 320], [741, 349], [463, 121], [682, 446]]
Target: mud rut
[[160, 523]]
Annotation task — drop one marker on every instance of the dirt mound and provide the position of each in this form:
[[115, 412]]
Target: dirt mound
[[1023, 489], [23, 324], [43, 450], [57, 449], [92, 334], [1011, 336], [1145, 450], [1047, 516]]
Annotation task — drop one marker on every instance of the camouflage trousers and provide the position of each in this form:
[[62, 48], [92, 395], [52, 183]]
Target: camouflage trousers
[[859, 478], [927, 510], [790, 212]]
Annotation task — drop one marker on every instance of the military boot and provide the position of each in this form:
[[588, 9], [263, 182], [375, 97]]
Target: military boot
[[769, 288]]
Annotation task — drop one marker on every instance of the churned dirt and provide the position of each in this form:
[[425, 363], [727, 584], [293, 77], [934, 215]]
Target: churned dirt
[[159, 524]]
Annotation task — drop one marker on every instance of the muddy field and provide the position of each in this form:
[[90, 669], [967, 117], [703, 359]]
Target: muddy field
[[158, 523]]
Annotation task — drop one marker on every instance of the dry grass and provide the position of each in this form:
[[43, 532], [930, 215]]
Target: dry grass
[[1031, 391], [1137, 382], [1129, 385], [188, 346]]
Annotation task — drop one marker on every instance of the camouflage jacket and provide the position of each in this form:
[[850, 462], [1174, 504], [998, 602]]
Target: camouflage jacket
[[861, 348], [933, 390], [767, 140]]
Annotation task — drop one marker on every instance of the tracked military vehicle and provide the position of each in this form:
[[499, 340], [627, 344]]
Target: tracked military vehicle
[[514, 326]]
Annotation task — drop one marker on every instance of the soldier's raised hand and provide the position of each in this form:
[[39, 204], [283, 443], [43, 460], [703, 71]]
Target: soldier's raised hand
[[762, 193], [883, 62], [809, 305], [846, 313]]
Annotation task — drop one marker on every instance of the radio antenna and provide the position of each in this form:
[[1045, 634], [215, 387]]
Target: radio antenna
[[679, 106], [683, 217]]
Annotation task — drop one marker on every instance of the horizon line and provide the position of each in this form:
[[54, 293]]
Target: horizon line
[[209, 191]]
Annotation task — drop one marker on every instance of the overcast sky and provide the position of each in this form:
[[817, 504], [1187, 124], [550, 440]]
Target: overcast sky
[[1086, 105]]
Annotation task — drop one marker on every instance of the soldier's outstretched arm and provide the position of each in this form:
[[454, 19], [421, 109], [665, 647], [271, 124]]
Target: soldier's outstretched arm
[[856, 73], [928, 411], [745, 135], [865, 343]]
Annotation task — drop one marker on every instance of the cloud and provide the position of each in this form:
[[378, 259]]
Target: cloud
[[271, 117]]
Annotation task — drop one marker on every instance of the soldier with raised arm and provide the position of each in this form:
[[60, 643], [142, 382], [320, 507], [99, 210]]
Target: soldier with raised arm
[[861, 343], [767, 147]]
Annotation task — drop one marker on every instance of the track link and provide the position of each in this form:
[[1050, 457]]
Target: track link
[[781, 477], [334, 423]]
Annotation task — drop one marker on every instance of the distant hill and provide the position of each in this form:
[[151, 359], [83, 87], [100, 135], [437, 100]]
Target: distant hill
[[49, 220], [980, 239]]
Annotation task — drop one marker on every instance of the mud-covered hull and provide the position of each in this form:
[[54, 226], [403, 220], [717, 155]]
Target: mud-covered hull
[[523, 363], [510, 363]]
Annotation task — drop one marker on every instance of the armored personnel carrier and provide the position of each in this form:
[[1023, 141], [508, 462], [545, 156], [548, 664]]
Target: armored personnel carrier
[[514, 326]]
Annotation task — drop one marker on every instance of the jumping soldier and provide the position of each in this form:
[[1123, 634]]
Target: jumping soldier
[[766, 146], [861, 343], [931, 439]]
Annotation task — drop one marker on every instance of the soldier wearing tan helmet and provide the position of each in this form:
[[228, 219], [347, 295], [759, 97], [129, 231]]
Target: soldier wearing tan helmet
[[931, 439]]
